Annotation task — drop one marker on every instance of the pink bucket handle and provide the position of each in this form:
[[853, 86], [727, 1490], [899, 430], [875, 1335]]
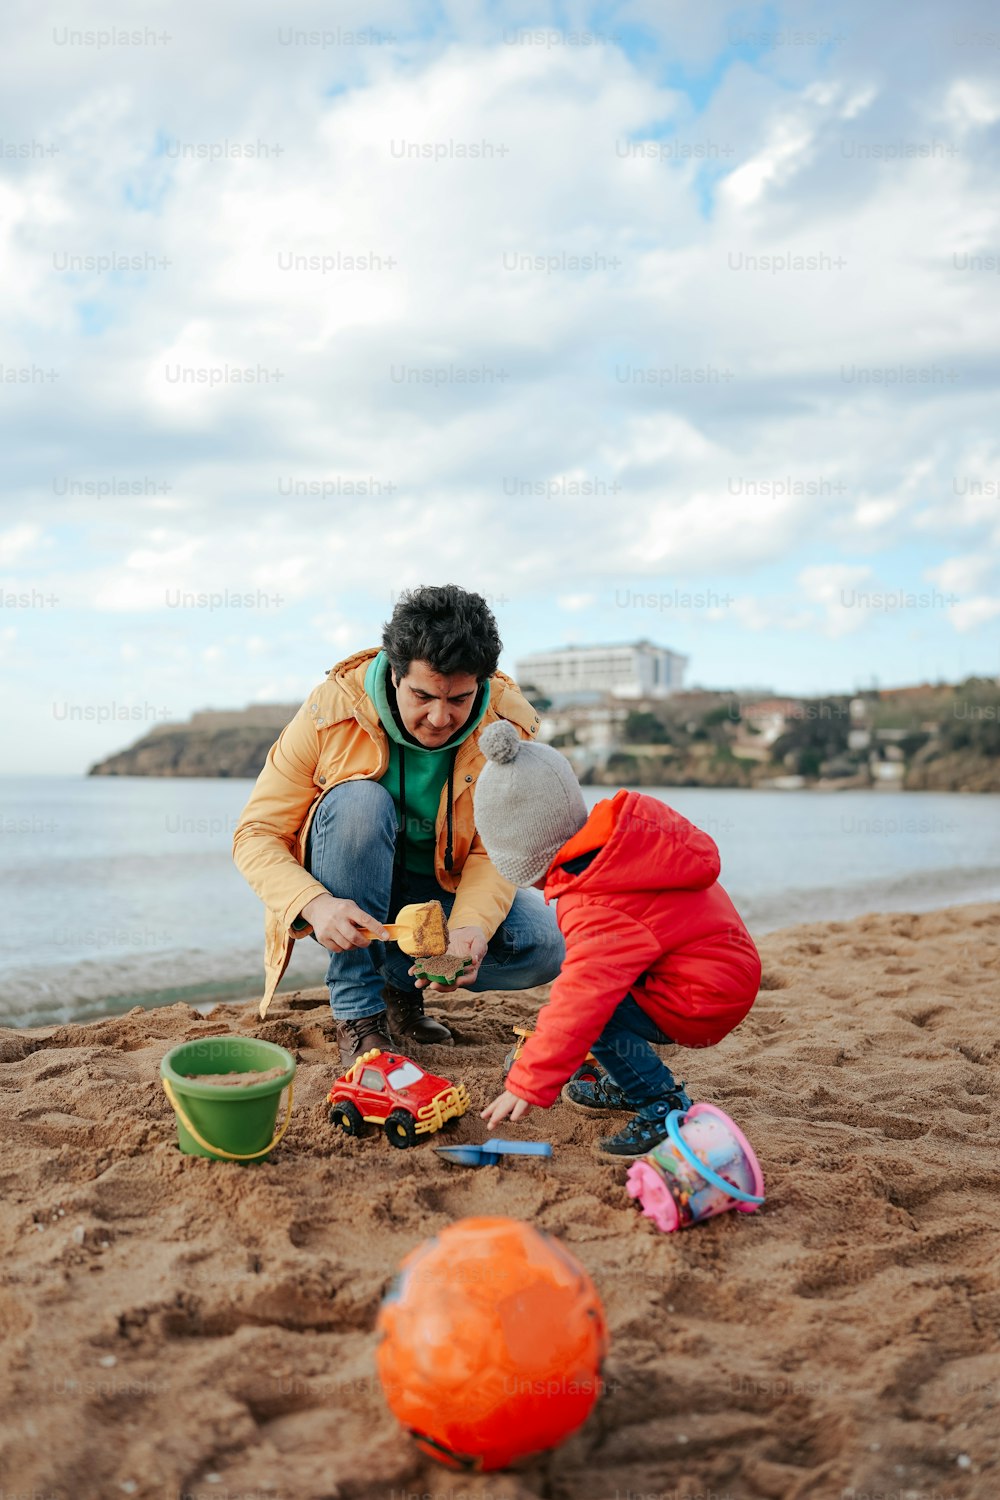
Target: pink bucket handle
[[736, 1132], [674, 1121]]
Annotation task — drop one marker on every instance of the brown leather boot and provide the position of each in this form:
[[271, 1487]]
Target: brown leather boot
[[359, 1036], [408, 1021]]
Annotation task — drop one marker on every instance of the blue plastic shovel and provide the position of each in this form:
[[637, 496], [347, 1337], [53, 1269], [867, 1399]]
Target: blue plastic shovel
[[489, 1154]]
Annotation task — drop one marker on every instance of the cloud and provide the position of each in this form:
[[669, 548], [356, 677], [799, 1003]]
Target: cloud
[[344, 635], [970, 104], [843, 593], [970, 614], [19, 542], [774, 165], [963, 575], [773, 613], [681, 298]]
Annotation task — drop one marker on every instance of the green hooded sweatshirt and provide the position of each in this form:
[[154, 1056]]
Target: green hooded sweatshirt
[[425, 771]]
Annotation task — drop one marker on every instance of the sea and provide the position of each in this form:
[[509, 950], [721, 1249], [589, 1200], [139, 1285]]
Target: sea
[[121, 891]]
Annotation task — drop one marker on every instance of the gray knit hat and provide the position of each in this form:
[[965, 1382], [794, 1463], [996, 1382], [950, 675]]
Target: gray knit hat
[[527, 801]]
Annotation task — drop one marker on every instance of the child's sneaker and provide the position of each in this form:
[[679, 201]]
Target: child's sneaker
[[595, 1093], [644, 1132]]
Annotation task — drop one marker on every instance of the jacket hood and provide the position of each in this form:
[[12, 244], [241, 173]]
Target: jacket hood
[[349, 675], [642, 845]]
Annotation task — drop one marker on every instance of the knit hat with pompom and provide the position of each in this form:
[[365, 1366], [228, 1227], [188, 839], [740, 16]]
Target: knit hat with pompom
[[528, 803]]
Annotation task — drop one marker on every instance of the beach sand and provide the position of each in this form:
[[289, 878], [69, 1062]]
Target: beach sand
[[171, 1326]]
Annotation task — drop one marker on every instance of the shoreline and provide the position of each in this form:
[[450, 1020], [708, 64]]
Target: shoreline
[[174, 1326], [844, 784], [767, 914]]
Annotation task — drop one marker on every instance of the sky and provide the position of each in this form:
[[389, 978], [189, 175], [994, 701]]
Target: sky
[[643, 320]]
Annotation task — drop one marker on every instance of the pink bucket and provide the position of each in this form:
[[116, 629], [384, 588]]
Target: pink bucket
[[705, 1166]]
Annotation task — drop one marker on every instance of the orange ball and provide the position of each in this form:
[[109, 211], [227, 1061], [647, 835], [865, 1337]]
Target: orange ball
[[493, 1337]]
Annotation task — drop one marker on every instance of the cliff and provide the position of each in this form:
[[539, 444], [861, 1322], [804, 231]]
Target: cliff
[[231, 743], [954, 771]]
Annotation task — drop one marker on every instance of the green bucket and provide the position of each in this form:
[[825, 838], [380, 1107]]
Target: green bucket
[[225, 1121]]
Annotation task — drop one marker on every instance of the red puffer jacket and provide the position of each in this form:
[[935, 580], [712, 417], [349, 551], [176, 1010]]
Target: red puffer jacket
[[648, 917]]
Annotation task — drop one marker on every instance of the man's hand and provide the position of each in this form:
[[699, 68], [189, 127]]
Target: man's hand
[[503, 1105], [469, 942], [339, 924]]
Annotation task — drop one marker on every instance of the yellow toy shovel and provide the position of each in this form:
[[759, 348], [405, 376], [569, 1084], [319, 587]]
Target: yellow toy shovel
[[420, 930]]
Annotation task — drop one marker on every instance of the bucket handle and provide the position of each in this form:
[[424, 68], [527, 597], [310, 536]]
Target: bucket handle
[[218, 1150], [673, 1131]]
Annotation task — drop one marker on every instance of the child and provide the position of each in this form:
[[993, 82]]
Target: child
[[655, 950]]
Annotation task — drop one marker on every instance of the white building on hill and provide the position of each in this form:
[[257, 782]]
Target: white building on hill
[[582, 673]]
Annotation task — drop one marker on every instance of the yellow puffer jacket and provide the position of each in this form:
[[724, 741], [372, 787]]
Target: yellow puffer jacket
[[336, 736]]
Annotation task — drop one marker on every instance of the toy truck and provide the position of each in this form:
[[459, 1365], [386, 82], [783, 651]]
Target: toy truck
[[384, 1088]]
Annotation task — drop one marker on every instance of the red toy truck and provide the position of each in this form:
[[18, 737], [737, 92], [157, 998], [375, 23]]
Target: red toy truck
[[387, 1089]]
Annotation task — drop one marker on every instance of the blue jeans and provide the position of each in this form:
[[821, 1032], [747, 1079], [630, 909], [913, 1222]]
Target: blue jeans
[[350, 850], [623, 1050]]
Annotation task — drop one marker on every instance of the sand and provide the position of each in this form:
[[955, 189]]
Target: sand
[[425, 928], [238, 1080], [171, 1326], [446, 968]]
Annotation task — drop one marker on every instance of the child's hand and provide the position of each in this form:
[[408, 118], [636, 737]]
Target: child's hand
[[503, 1105]]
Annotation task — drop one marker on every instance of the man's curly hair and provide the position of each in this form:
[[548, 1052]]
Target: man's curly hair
[[446, 626]]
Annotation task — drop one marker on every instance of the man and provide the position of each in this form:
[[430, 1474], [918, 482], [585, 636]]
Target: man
[[365, 804]]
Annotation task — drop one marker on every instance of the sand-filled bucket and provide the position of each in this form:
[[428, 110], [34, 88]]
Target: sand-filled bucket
[[705, 1166], [225, 1092]]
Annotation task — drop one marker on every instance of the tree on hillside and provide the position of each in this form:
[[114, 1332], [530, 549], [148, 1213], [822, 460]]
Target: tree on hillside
[[725, 713], [644, 728], [974, 722], [817, 734]]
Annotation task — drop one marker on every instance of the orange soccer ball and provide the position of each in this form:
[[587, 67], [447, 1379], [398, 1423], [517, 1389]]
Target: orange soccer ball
[[493, 1337]]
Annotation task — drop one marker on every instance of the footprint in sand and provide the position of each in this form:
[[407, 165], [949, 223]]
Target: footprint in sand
[[924, 1017], [971, 1054], [57, 1070], [43, 1115], [896, 1127]]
